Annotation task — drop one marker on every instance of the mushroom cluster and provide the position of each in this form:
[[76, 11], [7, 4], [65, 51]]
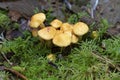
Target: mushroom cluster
[[61, 34]]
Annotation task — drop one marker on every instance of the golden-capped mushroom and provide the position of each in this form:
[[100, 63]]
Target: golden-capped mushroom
[[80, 28], [56, 23], [58, 32], [66, 26], [51, 57], [94, 34], [37, 20], [69, 32], [62, 40], [74, 38], [47, 33]]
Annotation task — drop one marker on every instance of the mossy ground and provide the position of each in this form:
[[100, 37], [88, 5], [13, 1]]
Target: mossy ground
[[89, 59]]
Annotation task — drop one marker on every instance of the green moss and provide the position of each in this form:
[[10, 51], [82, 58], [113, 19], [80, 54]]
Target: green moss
[[80, 64], [30, 53], [4, 75], [112, 47], [4, 21]]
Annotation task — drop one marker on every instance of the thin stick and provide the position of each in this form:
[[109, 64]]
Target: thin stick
[[16, 73], [106, 60], [6, 59]]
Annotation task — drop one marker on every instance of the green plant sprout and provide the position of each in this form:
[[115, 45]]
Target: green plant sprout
[[36, 10], [112, 48], [49, 17], [4, 21], [75, 17], [4, 75], [104, 25]]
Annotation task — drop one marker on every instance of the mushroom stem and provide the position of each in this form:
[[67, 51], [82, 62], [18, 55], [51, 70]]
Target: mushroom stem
[[34, 32], [42, 25], [48, 44], [61, 50]]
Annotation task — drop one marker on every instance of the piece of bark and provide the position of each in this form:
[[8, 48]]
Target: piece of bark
[[13, 72], [14, 15], [26, 7]]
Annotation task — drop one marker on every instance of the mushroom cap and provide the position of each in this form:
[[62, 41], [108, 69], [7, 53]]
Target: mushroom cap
[[62, 40], [34, 24], [47, 33], [56, 23], [66, 26], [80, 28], [74, 39], [37, 19], [51, 57], [94, 34], [58, 32], [69, 32]]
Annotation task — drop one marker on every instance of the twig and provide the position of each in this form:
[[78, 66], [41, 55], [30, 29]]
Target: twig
[[4, 56], [106, 60], [16, 73]]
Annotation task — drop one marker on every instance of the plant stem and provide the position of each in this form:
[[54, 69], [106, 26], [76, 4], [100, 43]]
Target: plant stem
[[106, 60], [6, 59]]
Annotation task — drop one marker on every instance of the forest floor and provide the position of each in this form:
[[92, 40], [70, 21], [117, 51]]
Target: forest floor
[[96, 56]]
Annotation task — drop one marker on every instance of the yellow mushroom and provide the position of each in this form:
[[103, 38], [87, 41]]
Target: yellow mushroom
[[51, 57], [74, 38], [66, 26], [80, 29], [69, 32], [62, 40], [37, 20], [58, 32], [56, 23], [47, 33], [94, 34]]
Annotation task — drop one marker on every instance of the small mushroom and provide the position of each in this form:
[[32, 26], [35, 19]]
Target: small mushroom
[[56, 23], [74, 38], [47, 33], [58, 32], [94, 34], [62, 40], [66, 26], [80, 29], [51, 57], [37, 20], [69, 32]]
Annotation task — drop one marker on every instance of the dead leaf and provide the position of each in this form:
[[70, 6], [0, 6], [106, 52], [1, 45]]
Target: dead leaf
[[14, 15]]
